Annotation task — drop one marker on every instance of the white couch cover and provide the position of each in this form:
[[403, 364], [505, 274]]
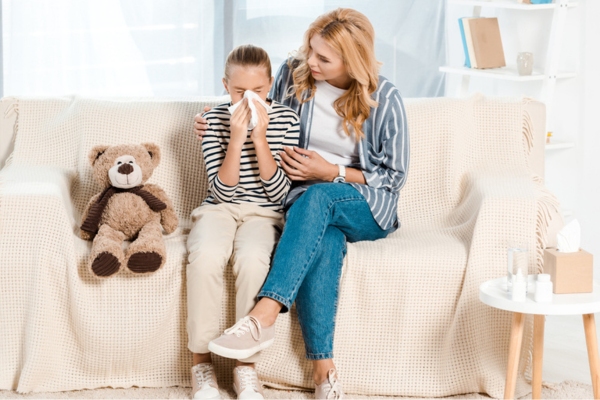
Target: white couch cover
[[409, 321]]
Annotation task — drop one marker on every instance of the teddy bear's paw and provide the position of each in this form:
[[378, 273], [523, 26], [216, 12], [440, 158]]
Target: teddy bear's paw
[[105, 264], [144, 262]]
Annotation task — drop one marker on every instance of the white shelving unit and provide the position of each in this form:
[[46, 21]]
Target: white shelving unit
[[550, 73], [547, 77], [558, 145]]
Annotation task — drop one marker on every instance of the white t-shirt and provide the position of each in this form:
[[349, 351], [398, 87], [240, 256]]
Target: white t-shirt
[[327, 136]]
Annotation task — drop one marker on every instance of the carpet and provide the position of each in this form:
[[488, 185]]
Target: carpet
[[563, 390]]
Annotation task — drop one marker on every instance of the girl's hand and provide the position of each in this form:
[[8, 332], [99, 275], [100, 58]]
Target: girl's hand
[[239, 123], [303, 165], [259, 133], [201, 124]]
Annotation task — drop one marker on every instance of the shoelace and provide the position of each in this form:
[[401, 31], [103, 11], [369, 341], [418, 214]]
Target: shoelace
[[204, 375], [248, 378], [244, 325], [335, 392]]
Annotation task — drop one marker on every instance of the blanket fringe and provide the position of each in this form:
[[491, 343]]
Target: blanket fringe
[[548, 207], [527, 132]]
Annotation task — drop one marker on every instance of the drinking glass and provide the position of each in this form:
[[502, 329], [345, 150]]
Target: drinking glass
[[518, 264]]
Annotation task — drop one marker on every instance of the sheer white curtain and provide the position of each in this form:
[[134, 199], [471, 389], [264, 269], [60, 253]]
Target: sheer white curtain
[[178, 47]]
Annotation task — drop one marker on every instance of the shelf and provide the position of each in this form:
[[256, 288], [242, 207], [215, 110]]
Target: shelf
[[504, 73], [511, 4], [558, 145]]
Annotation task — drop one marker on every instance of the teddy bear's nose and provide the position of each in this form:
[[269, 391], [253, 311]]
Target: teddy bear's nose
[[125, 169]]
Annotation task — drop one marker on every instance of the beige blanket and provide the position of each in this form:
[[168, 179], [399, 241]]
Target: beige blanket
[[409, 320]]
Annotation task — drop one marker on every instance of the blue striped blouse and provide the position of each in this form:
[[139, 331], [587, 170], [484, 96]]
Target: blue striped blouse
[[384, 151]]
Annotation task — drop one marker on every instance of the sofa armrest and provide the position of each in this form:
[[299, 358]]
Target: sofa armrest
[[498, 209], [8, 121], [39, 188], [505, 201], [499, 186]]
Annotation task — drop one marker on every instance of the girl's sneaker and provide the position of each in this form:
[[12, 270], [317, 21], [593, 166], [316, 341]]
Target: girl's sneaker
[[246, 384], [204, 382]]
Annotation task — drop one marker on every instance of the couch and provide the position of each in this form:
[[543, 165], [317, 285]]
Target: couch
[[409, 321]]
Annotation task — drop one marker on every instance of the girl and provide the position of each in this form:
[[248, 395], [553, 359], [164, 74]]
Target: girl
[[348, 170], [242, 216]]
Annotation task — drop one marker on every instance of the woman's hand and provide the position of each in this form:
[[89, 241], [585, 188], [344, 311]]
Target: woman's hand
[[304, 165], [259, 133], [238, 124], [201, 124]]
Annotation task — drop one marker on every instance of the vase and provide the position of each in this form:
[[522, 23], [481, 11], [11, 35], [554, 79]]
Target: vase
[[525, 63]]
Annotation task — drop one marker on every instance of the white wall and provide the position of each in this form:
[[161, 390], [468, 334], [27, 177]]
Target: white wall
[[588, 169], [572, 174]]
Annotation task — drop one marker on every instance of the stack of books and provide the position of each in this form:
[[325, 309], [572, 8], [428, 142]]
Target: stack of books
[[482, 42]]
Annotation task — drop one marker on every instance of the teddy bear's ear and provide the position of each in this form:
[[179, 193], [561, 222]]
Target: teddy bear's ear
[[96, 152], [154, 152]]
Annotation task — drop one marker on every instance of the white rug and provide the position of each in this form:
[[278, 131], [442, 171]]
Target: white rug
[[564, 390]]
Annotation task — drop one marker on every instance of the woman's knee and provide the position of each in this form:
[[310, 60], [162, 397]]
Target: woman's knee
[[317, 192], [315, 198]]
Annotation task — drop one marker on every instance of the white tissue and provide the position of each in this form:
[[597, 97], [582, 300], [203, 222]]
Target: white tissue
[[250, 95], [569, 238]]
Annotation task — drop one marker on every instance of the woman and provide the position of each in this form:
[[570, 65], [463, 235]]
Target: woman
[[348, 171]]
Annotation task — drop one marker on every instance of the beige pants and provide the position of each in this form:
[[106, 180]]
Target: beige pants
[[244, 233]]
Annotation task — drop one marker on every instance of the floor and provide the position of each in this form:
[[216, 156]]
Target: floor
[[565, 351]]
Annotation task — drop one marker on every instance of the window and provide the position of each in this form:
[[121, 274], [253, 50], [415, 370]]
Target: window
[[178, 47]]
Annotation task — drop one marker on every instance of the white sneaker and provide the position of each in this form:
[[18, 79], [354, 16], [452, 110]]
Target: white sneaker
[[331, 388], [204, 382], [246, 384]]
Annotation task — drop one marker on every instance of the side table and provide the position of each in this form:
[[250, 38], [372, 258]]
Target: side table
[[494, 294]]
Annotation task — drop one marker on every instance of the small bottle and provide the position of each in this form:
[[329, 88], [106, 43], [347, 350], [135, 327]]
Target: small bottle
[[519, 287], [543, 288]]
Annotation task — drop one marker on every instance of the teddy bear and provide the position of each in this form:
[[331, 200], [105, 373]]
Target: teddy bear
[[127, 209]]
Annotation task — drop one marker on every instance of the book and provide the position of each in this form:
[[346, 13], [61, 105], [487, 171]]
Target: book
[[469, 43], [464, 42], [487, 42]]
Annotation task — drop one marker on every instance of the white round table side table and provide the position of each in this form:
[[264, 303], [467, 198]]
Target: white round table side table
[[494, 294]]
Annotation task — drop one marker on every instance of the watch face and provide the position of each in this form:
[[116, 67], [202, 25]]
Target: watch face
[[339, 179]]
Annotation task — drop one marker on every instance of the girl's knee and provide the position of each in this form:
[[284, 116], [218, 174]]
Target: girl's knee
[[207, 261], [251, 262]]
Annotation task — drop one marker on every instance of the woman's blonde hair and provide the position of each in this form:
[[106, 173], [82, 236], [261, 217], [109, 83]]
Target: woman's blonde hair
[[352, 36], [248, 55]]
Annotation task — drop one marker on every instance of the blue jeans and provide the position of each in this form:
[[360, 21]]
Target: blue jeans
[[308, 260]]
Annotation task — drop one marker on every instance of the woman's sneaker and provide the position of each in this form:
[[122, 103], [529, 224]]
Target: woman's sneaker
[[243, 340], [246, 384], [331, 388], [204, 382]]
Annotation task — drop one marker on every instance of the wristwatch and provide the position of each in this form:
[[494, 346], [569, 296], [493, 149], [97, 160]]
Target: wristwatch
[[341, 177]]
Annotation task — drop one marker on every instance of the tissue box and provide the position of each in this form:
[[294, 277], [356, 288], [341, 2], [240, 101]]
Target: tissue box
[[570, 272]]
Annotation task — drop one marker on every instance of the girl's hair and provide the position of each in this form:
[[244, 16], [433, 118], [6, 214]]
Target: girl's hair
[[248, 55], [352, 36]]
